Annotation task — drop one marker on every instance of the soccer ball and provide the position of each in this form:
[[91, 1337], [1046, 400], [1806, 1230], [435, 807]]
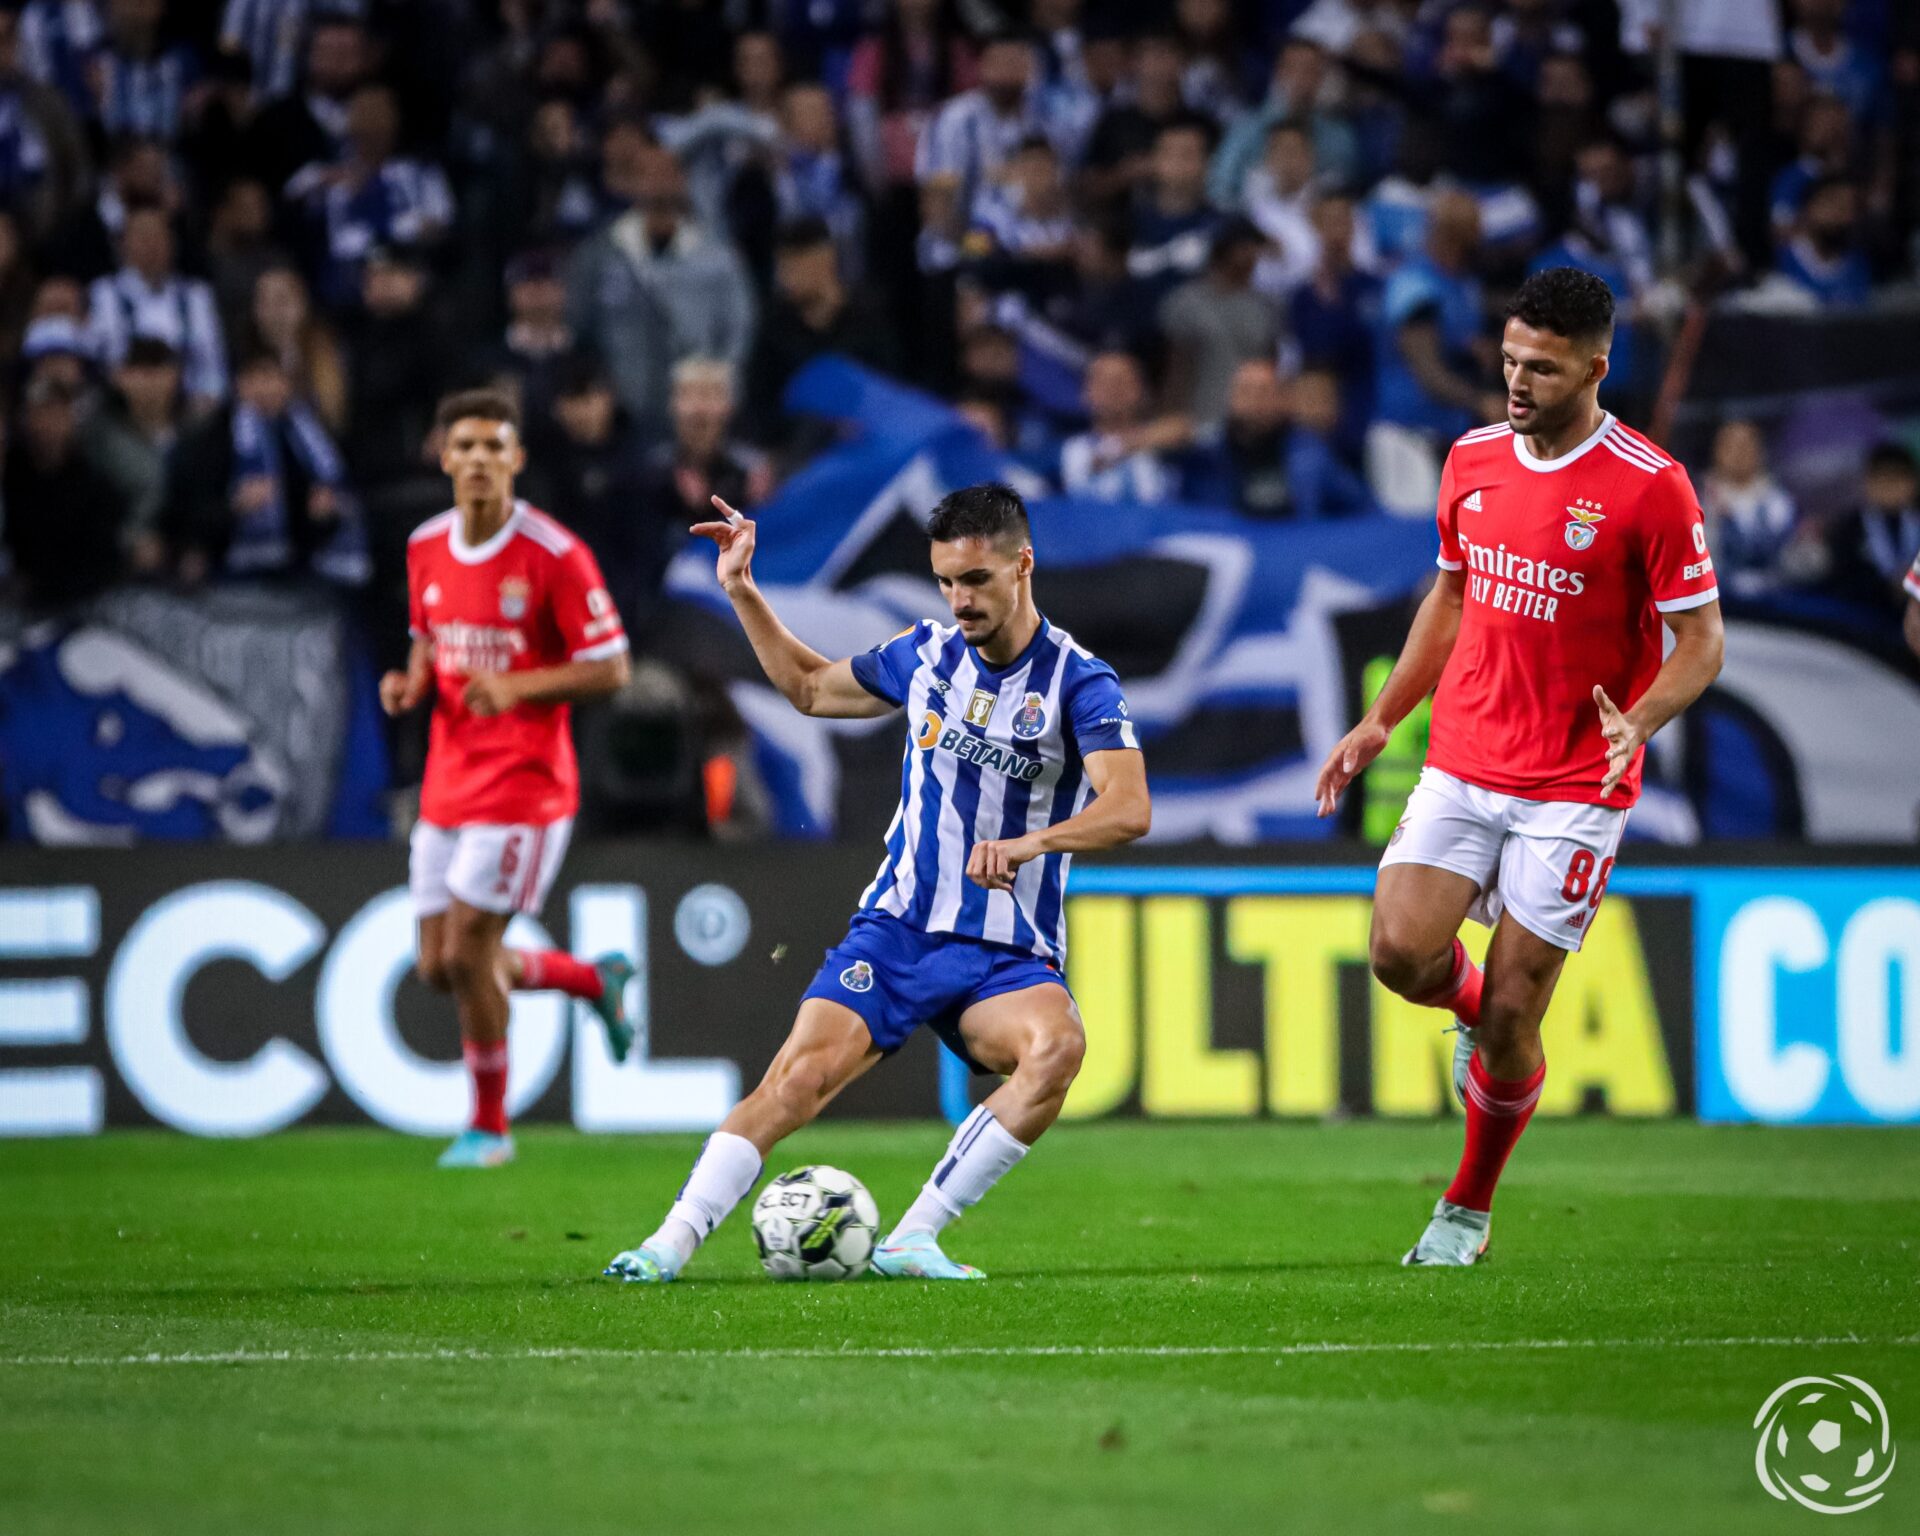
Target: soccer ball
[[815, 1223]]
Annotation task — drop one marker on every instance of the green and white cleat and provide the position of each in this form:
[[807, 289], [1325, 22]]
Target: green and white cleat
[[1462, 1058], [1454, 1238], [615, 972], [645, 1265], [917, 1256], [478, 1149]]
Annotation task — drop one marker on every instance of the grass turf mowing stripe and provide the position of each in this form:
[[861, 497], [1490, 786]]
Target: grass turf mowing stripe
[[953, 1352]]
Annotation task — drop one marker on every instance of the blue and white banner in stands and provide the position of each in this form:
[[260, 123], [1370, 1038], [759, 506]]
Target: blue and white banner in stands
[[1227, 633]]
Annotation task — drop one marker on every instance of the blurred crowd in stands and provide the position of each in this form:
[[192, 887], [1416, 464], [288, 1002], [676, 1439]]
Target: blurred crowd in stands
[[1246, 254]]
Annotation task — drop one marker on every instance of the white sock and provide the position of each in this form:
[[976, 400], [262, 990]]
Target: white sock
[[723, 1175], [980, 1152]]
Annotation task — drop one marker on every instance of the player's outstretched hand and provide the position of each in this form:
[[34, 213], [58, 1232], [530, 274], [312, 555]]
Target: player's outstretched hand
[[396, 693], [1356, 749], [488, 694], [1623, 739], [734, 534], [993, 865]]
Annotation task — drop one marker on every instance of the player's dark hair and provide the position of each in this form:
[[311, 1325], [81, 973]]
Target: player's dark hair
[[1568, 302], [477, 405], [991, 511]]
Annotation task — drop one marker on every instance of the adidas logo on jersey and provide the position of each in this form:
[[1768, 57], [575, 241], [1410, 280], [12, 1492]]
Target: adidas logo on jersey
[[1472, 503]]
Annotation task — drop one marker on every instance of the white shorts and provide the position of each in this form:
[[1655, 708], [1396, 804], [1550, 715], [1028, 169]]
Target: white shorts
[[494, 868], [1545, 862]]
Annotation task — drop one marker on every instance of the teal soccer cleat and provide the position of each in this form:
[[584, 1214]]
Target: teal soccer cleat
[[1454, 1238], [478, 1149], [615, 972], [1462, 1058], [917, 1256], [645, 1265]]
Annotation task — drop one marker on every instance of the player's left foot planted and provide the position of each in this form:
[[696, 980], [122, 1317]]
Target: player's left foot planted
[[917, 1256], [1454, 1238], [615, 972], [649, 1264], [478, 1149]]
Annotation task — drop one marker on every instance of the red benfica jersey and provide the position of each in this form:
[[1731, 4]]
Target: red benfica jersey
[[530, 597], [1569, 564]]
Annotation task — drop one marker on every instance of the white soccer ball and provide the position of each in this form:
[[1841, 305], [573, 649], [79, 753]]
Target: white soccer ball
[[815, 1223]]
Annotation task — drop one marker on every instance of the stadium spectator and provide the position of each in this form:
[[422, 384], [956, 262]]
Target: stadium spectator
[[1108, 462], [42, 159], [1022, 225], [64, 515], [139, 174], [654, 287], [526, 359], [812, 312], [398, 366], [1215, 323], [309, 127], [1825, 259], [1119, 155], [129, 436], [1241, 464], [370, 196], [141, 82], [1432, 356], [970, 137], [1871, 546], [239, 247], [1302, 87], [283, 321], [559, 197], [814, 179], [587, 457], [148, 297], [1105, 309], [1834, 62], [1750, 517], [1332, 317], [897, 78], [703, 458], [1279, 198], [1826, 148], [1322, 481], [259, 489], [1173, 223]]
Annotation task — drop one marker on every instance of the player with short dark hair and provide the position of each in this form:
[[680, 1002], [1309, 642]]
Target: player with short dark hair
[[511, 624], [1019, 754], [1566, 540]]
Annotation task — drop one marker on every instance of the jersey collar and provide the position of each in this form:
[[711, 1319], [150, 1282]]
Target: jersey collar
[[479, 554], [1548, 466], [1019, 661]]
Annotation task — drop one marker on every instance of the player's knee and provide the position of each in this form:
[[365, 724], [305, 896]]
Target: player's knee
[[1399, 964], [1506, 1022], [432, 969], [466, 965], [800, 1083], [1054, 1058]]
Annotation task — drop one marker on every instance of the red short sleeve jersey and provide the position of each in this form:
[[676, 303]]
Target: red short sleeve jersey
[[530, 596], [1569, 564]]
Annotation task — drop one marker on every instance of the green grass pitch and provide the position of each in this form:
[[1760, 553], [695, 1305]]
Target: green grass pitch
[[1188, 1328]]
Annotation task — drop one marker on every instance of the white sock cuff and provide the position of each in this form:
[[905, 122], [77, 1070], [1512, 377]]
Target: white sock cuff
[[981, 1151]]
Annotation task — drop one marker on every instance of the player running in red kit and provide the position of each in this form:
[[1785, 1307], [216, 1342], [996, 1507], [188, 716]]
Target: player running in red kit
[[511, 624], [1566, 541]]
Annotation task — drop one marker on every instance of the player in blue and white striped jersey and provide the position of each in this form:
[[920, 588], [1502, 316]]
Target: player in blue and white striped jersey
[[1019, 754]]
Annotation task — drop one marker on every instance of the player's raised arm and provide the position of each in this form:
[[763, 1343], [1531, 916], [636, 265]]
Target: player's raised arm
[[1424, 657], [812, 684]]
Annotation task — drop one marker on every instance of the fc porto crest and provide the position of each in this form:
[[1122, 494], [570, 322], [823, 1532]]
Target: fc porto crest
[[1581, 530], [513, 598], [1032, 719], [857, 977]]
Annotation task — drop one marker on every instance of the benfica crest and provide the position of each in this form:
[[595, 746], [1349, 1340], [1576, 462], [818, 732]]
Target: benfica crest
[[513, 598], [1581, 531]]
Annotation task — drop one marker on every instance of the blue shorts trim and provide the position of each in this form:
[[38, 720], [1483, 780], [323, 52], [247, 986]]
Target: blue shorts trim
[[898, 977]]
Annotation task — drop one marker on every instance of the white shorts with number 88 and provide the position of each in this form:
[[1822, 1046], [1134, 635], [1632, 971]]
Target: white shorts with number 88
[[1545, 863]]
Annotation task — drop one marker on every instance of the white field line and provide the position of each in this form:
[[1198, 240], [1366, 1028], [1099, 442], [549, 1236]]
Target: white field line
[[955, 1352]]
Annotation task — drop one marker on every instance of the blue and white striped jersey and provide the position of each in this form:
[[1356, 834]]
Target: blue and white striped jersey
[[992, 752]]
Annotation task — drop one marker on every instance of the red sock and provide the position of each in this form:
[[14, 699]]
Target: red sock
[[487, 1065], [1460, 994], [1497, 1112], [552, 969]]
